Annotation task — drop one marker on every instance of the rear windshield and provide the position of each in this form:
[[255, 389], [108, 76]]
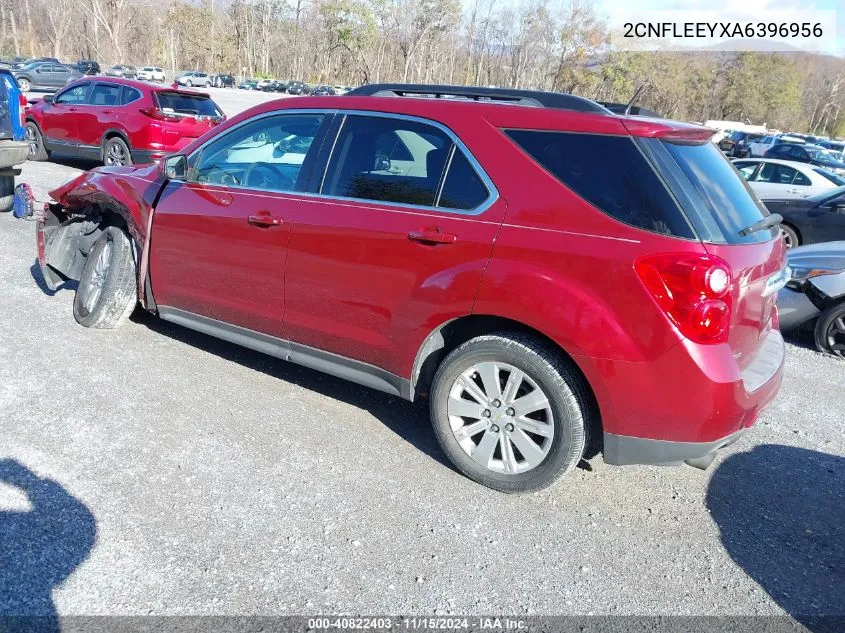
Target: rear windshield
[[836, 180], [181, 103], [717, 198]]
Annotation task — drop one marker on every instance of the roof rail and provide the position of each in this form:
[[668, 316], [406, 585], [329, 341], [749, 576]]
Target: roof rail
[[536, 98]]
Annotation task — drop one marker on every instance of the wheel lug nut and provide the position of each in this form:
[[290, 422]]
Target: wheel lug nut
[[509, 427], [510, 411], [494, 428], [486, 413], [497, 403]]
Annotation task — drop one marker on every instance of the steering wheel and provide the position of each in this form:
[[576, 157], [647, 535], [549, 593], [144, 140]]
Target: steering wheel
[[267, 175]]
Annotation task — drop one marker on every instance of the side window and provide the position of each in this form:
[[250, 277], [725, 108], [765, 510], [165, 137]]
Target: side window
[[463, 188], [745, 168], [75, 95], [264, 154], [105, 95], [387, 159], [776, 174], [801, 179], [128, 95], [611, 174], [56, 68]]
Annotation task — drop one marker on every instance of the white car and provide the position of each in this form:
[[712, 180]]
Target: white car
[[772, 179], [151, 73], [763, 145], [194, 78]]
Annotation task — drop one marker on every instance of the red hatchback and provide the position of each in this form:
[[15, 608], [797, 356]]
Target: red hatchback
[[118, 121], [556, 279]]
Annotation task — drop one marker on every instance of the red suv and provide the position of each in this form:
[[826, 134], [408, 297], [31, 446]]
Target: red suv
[[118, 121], [555, 278]]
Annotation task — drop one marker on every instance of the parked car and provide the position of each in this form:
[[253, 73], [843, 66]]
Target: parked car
[[656, 342], [32, 60], [248, 84], [122, 70], [269, 85], [837, 148], [194, 78], [11, 61], [118, 121], [341, 90], [13, 147], [223, 81], [812, 154], [819, 218], [780, 179], [737, 143], [45, 76], [758, 148], [151, 73], [88, 67], [298, 88], [814, 297], [323, 91]]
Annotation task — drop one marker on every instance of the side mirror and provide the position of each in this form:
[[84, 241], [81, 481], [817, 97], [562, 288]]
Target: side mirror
[[176, 167], [48, 98]]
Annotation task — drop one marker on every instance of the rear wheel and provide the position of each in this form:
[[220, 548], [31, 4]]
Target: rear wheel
[[107, 291], [116, 152], [509, 412], [35, 139], [7, 193], [830, 331], [790, 236]]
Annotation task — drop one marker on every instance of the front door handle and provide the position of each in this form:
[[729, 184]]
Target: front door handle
[[264, 219], [432, 236]]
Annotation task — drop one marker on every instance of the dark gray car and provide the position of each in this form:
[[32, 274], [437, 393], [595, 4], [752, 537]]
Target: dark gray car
[[48, 76]]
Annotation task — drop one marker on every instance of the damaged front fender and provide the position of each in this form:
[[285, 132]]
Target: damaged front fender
[[82, 208]]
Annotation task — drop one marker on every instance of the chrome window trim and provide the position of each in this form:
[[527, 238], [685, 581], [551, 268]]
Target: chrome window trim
[[492, 191]]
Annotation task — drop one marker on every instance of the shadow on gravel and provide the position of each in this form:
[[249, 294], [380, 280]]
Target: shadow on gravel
[[410, 421], [39, 548], [35, 271], [781, 512], [73, 161]]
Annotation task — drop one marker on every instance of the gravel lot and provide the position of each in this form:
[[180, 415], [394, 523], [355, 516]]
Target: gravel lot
[[153, 470]]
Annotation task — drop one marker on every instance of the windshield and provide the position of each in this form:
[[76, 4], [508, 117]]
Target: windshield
[[817, 153], [836, 180]]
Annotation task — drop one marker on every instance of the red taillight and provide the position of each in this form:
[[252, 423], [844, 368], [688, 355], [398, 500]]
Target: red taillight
[[24, 104], [693, 291], [159, 115]]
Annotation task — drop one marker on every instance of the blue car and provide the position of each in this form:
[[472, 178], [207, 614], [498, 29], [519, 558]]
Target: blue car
[[13, 147]]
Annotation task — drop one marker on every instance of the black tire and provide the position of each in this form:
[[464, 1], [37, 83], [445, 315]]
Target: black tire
[[830, 330], [116, 147], [790, 236], [551, 372], [110, 268], [7, 193], [37, 151]]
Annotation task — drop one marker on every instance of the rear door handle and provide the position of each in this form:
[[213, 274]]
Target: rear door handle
[[432, 236], [264, 219]]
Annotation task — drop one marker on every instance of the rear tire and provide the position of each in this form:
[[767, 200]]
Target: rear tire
[[7, 193], [108, 290], [116, 152], [790, 236], [830, 331], [498, 446], [37, 151]]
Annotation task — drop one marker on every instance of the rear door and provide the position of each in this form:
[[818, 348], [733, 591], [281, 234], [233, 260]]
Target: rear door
[[392, 244], [777, 181], [99, 114], [220, 238]]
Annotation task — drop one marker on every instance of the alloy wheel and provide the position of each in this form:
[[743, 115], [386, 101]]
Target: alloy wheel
[[787, 238], [835, 336], [501, 417], [32, 140], [92, 290], [24, 85], [115, 155]]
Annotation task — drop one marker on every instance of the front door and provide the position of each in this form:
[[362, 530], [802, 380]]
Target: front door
[[60, 119], [219, 238], [393, 245]]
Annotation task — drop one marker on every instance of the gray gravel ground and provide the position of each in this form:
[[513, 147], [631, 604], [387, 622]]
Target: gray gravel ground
[[184, 475]]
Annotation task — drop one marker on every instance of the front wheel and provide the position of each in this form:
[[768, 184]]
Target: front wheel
[[108, 290], [830, 331], [25, 84], [509, 412]]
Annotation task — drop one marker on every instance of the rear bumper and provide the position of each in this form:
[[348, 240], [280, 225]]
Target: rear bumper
[[144, 156], [684, 405], [13, 153]]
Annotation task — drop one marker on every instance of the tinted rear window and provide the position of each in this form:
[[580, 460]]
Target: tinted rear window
[[180, 103], [716, 191], [462, 188], [610, 173]]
